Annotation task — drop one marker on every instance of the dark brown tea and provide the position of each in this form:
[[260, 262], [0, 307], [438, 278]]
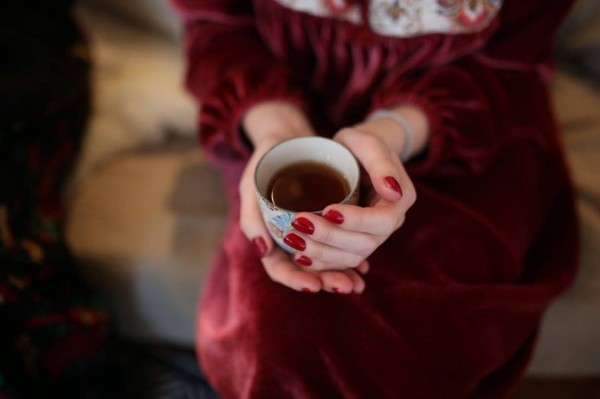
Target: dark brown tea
[[307, 187]]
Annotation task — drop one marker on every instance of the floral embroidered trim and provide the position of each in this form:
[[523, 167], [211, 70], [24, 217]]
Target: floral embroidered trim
[[406, 18]]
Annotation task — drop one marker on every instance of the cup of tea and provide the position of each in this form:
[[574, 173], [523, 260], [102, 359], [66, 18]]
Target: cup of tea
[[303, 174]]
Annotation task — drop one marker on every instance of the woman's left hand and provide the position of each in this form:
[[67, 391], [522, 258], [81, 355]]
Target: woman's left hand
[[347, 234]]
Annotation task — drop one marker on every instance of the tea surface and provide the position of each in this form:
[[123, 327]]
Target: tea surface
[[307, 187]]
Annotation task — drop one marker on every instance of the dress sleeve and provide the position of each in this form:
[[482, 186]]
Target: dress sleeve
[[229, 70], [479, 103]]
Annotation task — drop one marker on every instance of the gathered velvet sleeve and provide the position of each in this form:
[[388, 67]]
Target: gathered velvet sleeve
[[229, 70], [479, 103]]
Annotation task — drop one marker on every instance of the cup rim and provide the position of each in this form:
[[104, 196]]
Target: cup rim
[[353, 188]]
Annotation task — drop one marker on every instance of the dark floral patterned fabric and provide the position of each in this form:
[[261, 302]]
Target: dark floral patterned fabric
[[52, 331]]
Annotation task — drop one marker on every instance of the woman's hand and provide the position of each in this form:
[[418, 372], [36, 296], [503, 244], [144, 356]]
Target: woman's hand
[[346, 234], [266, 125]]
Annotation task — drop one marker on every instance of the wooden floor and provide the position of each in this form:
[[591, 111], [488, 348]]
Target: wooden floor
[[547, 388]]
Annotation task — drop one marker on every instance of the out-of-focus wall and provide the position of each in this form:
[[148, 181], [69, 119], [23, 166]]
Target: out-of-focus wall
[[579, 39], [155, 14]]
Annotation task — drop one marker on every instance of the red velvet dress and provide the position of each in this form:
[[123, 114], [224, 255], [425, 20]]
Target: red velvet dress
[[454, 298]]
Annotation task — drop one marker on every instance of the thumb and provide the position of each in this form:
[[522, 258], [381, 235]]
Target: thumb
[[251, 221], [381, 164]]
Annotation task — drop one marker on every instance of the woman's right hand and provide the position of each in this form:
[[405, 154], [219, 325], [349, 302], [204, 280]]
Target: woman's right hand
[[267, 124]]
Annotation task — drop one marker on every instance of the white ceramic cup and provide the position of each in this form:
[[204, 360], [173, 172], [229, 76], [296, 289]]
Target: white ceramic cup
[[300, 149]]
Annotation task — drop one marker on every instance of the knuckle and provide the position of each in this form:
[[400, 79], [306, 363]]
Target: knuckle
[[391, 224], [360, 220], [346, 260], [372, 244], [397, 223], [411, 195], [367, 246], [355, 260], [326, 235], [313, 251]]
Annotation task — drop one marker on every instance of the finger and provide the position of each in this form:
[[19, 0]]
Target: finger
[[336, 281], [332, 283], [382, 165], [281, 270], [315, 265], [357, 281], [325, 232], [251, 221], [382, 219], [364, 267], [316, 251]]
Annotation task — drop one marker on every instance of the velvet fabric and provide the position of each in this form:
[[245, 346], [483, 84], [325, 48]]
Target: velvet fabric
[[454, 298]]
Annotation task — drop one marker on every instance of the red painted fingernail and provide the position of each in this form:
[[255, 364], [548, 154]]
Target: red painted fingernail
[[334, 216], [304, 225], [295, 241], [304, 261], [392, 183], [308, 290], [260, 246]]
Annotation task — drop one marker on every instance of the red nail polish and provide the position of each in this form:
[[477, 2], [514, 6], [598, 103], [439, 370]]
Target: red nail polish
[[392, 183], [260, 246], [304, 261], [308, 290], [304, 225], [295, 241], [334, 216]]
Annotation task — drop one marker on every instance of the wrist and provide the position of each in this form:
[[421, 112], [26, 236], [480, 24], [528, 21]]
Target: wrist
[[275, 121], [404, 129], [418, 121]]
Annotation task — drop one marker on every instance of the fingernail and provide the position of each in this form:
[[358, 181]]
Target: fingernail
[[308, 290], [304, 225], [392, 183], [334, 216], [295, 241], [260, 246], [304, 261]]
